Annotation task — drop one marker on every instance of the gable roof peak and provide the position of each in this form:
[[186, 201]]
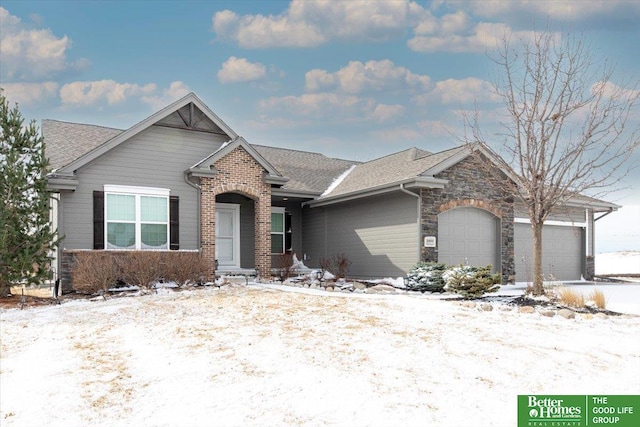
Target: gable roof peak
[[153, 119]]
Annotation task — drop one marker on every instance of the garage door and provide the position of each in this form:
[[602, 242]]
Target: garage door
[[561, 252], [468, 236]]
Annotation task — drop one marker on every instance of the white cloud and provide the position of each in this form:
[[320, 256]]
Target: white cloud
[[31, 53], [611, 90], [317, 104], [541, 10], [480, 38], [334, 106], [175, 91], [357, 77], [383, 112], [97, 92], [30, 93], [464, 91], [312, 23], [235, 70]]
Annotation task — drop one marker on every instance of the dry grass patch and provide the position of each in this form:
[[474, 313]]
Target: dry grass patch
[[570, 297], [598, 298]]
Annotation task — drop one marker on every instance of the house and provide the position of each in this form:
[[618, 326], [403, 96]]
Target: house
[[182, 179]]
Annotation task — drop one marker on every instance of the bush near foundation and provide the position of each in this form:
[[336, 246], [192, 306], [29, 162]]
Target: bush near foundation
[[427, 277], [94, 272], [143, 269], [98, 271], [471, 282], [185, 268]]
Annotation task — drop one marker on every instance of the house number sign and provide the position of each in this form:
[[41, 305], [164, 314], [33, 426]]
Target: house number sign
[[430, 241]]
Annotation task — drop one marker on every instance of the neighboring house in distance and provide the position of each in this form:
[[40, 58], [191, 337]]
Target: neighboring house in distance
[[182, 179]]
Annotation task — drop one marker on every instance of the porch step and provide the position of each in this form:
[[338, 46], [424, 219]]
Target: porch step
[[239, 275]]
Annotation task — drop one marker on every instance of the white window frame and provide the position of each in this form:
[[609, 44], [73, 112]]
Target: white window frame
[[137, 192], [279, 210]]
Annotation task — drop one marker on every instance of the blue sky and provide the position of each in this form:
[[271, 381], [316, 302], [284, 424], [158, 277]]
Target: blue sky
[[355, 80]]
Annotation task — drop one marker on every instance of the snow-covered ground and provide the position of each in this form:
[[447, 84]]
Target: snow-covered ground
[[618, 263], [257, 355]]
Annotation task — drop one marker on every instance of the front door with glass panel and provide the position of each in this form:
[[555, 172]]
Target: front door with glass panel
[[228, 235]]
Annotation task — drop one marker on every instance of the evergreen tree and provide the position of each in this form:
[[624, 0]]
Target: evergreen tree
[[26, 236]]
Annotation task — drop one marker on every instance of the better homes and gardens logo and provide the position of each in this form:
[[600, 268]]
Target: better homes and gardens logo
[[578, 410]]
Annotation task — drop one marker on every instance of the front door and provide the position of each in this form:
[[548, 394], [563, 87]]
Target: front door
[[228, 235]]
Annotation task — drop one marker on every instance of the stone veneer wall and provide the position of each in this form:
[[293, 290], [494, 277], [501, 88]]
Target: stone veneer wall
[[237, 172], [590, 268], [471, 185]]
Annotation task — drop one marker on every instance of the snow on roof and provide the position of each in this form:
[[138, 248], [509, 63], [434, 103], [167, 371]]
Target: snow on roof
[[338, 180]]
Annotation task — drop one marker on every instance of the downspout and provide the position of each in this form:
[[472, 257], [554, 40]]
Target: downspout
[[198, 208], [419, 209]]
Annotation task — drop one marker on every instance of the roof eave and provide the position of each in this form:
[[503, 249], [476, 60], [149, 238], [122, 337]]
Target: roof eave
[[57, 182], [276, 179], [596, 205], [418, 182], [283, 192]]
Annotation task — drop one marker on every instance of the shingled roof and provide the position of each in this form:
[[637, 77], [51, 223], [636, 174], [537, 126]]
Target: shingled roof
[[309, 172], [65, 142], [391, 169]]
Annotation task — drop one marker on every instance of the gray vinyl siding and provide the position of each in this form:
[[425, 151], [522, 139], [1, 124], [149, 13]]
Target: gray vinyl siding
[[379, 235], [156, 157], [569, 214]]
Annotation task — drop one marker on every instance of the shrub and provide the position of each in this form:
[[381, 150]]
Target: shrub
[[570, 297], [284, 265], [471, 282], [185, 268], [94, 272], [325, 265], [427, 277], [142, 268], [342, 264]]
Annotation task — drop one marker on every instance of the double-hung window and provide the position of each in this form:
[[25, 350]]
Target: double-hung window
[[277, 230], [280, 231], [136, 217]]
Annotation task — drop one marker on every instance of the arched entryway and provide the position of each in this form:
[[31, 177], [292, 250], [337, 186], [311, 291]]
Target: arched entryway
[[469, 236]]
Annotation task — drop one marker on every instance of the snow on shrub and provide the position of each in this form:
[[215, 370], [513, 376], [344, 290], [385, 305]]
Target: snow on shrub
[[427, 277], [471, 282]]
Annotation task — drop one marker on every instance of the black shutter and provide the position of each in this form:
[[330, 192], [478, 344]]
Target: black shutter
[[174, 223], [98, 220]]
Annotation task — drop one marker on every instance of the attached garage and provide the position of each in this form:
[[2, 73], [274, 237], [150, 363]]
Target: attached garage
[[468, 236], [562, 249]]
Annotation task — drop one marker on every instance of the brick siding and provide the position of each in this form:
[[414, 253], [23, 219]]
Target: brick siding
[[237, 172]]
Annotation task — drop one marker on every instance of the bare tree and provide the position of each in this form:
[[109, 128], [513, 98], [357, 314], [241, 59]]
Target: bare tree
[[569, 129]]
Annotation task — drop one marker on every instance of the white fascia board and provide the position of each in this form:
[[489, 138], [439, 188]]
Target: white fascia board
[[552, 222], [593, 204]]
